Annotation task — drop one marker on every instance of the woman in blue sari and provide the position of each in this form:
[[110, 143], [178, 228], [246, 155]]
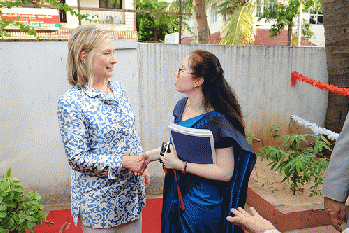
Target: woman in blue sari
[[198, 197]]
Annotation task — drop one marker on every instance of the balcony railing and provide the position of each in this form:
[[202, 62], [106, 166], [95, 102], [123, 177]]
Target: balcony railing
[[64, 34]]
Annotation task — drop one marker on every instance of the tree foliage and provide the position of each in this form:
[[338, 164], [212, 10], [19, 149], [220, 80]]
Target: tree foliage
[[284, 13], [154, 26], [198, 8], [239, 28], [239, 14], [187, 6]]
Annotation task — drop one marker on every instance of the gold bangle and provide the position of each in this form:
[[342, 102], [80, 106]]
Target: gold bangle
[[184, 170]]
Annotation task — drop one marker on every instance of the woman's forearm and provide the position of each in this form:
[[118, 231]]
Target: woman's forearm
[[222, 170], [153, 155], [90, 163], [208, 171]]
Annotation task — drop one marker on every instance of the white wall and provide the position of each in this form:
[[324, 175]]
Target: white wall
[[215, 26], [259, 75], [319, 35], [72, 21], [33, 77]]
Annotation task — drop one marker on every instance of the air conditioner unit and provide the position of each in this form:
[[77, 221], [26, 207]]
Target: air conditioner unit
[[118, 20], [109, 19]]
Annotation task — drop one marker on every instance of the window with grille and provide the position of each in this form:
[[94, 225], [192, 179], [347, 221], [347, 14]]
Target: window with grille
[[262, 5], [316, 17], [107, 4], [214, 18], [62, 14]]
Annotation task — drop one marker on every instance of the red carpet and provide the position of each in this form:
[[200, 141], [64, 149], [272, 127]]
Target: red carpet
[[63, 221], [151, 216]]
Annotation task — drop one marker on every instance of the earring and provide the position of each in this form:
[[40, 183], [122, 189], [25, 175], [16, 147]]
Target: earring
[[82, 56]]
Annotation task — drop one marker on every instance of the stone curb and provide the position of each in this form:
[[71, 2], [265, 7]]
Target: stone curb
[[283, 216]]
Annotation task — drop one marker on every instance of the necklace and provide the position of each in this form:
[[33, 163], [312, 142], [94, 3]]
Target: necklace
[[108, 90]]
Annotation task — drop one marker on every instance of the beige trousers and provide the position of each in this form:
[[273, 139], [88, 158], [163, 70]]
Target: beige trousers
[[130, 227]]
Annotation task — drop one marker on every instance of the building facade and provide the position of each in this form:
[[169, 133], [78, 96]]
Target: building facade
[[57, 24]]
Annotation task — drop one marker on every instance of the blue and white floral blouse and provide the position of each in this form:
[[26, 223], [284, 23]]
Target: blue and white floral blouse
[[97, 130]]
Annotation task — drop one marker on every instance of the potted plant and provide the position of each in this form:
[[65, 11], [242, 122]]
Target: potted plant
[[18, 211]]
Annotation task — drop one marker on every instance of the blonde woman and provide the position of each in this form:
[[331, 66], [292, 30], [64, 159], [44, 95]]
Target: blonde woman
[[98, 132]]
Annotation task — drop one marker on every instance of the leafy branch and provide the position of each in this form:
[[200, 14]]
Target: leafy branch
[[284, 13], [19, 211], [239, 28], [298, 163]]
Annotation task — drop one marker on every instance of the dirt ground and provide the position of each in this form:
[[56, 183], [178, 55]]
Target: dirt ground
[[270, 181]]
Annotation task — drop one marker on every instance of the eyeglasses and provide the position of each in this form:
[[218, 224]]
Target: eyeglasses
[[182, 70]]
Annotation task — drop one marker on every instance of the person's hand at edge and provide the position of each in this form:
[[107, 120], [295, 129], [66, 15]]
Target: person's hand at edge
[[336, 212], [251, 223]]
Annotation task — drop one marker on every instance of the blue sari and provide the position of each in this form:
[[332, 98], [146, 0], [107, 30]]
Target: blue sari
[[207, 202]]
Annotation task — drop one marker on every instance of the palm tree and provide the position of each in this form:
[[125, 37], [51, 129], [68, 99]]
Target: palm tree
[[201, 19], [239, 14], [239, 27], [336, 23]]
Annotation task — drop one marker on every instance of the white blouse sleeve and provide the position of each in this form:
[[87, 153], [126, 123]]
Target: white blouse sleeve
[[94, 162]]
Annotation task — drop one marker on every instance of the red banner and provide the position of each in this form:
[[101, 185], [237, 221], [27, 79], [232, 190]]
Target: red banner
[[323, 86], [31, 18]]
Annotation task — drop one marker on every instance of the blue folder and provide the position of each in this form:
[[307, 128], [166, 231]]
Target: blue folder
[[193, 145]]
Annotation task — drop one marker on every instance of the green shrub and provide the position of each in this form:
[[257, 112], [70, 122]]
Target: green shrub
[[18, 211], [250, 138], [299, 164]]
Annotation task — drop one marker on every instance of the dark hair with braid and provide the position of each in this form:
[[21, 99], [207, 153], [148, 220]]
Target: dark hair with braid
[[217, 92]]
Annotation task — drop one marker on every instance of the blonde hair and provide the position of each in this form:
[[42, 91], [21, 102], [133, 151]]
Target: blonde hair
[[83, 39]]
